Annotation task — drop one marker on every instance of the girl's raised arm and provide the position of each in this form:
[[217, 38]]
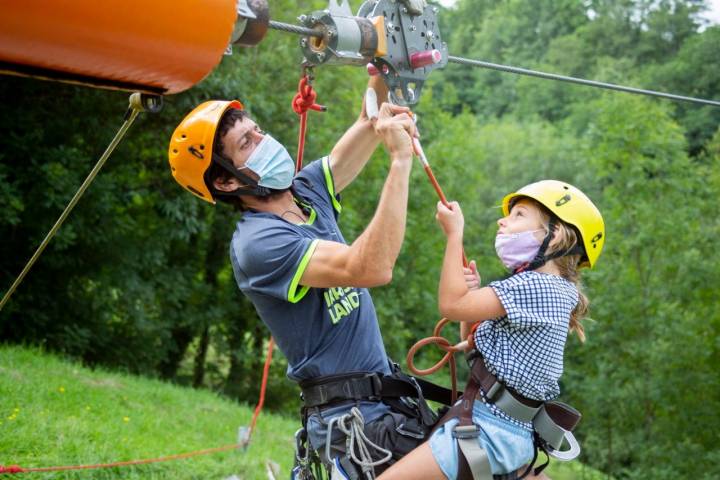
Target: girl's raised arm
[[455, 300]]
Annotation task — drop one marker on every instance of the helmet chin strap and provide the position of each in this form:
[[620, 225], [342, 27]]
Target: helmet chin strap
[[541, 259], [251, 189]]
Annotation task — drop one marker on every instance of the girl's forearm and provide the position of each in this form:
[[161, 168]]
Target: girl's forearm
[[452, 280]]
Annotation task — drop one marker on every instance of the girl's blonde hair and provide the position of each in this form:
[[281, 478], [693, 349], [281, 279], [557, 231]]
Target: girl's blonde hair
[[568, 266]]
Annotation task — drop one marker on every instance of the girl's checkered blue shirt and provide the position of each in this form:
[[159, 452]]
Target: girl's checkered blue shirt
[[524, 349]]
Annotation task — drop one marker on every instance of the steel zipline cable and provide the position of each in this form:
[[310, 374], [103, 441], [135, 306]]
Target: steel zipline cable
[[580, 81], [298, 30], [289, 28]]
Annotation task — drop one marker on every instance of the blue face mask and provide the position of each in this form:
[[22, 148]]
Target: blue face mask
[[272, 163]]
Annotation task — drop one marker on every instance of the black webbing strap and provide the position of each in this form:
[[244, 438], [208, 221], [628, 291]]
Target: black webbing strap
[[358, 386], [338, 388]]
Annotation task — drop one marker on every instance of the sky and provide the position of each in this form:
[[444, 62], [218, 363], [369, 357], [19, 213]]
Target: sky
[[713, 14]]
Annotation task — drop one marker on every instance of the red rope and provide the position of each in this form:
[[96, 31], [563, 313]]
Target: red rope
[[303, 101], [11, 469], [263, 386], [436, 338]]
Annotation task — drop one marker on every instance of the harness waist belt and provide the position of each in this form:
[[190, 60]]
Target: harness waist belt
[[371, 386], [336, 388]]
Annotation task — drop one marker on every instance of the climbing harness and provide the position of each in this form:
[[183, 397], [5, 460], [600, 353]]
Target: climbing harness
[[553, 422], [139, 102], [404, 394]]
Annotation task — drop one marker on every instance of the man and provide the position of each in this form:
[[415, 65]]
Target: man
[[307, 284]]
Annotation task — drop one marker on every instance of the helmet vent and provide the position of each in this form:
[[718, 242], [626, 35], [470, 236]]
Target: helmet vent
[[195, 191], [596, 238], [562, 201], [197, 152]]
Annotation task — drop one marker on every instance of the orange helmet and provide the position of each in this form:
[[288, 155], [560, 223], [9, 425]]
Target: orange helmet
[[191, 146]]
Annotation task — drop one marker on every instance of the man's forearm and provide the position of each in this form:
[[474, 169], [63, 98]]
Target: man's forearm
[[352, 152], [377, 248]]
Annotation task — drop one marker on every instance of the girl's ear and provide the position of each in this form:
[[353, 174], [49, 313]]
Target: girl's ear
[[557, 236]]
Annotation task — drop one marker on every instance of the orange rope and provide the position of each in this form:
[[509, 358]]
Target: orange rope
[[449, 357]]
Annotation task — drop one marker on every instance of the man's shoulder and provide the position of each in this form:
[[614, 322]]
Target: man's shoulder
[[255, 229]]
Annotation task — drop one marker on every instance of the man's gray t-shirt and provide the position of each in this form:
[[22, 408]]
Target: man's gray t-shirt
[[321, 331]]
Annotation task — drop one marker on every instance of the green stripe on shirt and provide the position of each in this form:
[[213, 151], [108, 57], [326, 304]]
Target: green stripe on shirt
[[330, 184], [294, 295]]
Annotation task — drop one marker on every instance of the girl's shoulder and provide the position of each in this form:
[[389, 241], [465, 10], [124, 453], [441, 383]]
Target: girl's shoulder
[[533, 280]]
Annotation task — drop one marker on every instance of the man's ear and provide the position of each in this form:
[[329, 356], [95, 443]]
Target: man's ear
[[226, 183]]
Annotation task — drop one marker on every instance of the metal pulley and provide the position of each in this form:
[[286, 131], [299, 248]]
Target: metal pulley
[[346, 39], [253, 18], [397, 39]]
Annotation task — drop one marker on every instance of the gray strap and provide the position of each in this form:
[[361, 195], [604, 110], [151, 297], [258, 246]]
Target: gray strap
[[476, 456], [553, 434], [513, 407]]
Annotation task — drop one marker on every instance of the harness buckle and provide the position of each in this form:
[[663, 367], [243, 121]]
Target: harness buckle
[[466, 431], [376, 383], [494, 391]]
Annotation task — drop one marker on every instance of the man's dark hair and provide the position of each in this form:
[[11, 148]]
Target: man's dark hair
[[227, 121]]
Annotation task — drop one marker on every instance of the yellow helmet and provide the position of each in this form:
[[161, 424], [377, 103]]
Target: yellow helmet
[[571, 206], [191, 146]]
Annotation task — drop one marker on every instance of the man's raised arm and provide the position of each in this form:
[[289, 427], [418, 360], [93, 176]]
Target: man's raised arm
[[369, 261]]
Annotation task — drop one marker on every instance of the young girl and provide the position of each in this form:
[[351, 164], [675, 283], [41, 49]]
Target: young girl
[[549, 230]]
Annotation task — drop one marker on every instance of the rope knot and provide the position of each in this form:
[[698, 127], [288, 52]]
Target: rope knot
[[304, 100]]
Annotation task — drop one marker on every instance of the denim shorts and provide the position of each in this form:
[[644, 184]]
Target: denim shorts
[[508, 446]]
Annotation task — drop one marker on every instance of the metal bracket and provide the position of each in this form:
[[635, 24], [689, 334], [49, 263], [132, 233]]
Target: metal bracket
[[414, 48]]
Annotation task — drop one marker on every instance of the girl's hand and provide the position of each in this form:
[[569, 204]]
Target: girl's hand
[[472, 277], [450, 219]]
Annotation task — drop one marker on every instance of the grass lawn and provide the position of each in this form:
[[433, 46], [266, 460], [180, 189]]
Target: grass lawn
[[55, 413]]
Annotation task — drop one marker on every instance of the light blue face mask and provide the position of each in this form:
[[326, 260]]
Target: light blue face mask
[[272, 163]]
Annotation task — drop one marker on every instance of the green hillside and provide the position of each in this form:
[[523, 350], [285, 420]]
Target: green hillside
[[56, 412]]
